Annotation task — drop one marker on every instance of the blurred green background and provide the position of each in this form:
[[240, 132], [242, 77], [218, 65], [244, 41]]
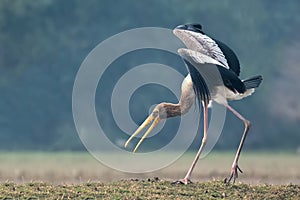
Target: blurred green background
[[43, 43]]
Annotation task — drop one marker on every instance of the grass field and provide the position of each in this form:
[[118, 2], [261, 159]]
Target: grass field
[[68, 175], [148, 189]]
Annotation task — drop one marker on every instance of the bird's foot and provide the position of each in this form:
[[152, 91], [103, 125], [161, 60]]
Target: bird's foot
[[233, 175], [183, 181]]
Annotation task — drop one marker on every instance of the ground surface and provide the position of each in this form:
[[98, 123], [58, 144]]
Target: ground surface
[[148, 189], [69, 175]]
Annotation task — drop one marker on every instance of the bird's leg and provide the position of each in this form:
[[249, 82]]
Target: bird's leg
[[187, 177], [235, 167]]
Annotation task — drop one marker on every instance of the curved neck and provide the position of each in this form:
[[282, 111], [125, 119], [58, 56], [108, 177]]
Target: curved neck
[[172, 110], [186, 101]]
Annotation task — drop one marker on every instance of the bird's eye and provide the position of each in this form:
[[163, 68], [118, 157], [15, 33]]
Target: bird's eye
[[155, 113]]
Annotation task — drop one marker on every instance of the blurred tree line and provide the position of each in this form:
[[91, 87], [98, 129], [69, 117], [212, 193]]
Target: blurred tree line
[[43, 43]]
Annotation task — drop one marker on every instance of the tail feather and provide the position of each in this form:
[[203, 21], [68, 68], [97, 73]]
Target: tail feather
[[253, 82]]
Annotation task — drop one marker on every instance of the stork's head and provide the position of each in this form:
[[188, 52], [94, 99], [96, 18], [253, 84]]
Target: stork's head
[[160, 112], [194, 27]]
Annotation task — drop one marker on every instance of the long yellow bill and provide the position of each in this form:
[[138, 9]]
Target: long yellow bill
[[155, 120]]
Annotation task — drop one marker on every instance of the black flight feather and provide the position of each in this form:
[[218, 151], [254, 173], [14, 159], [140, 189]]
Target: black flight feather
[[200, 87], [230, 56], [253, 82]]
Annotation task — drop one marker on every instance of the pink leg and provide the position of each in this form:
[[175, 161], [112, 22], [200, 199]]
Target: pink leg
[[187, 177], [235, 167]]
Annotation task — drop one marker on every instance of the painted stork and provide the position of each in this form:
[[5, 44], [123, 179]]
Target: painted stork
[[202, 54]]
